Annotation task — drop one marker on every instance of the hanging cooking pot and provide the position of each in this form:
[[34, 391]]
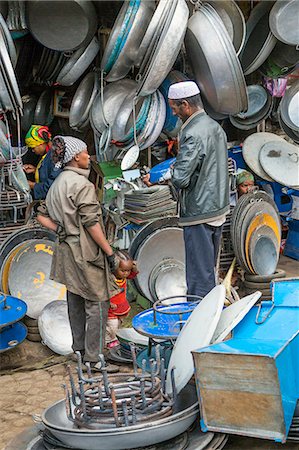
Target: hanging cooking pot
[[64, 25]]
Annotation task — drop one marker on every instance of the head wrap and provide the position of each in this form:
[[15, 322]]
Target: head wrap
[[183, 89], [64, 148], [244, 176], [37, 135]]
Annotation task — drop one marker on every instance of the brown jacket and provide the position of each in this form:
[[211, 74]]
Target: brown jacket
[[78, 262]]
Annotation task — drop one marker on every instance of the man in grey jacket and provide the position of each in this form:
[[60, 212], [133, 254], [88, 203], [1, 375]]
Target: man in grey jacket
[[201, 174]]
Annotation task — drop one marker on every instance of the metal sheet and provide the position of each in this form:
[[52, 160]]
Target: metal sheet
[[159, 245], [54, 327], [283, 21], [64, 25], [196, 333], [280, 160], [29, 277], [251, 150]]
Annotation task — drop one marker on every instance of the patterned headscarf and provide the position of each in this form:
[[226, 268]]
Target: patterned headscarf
[[37, 135], [244, 176], [64, 148]]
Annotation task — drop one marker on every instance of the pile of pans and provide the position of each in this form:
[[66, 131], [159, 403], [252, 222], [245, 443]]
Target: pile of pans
[[288, 112], [256, 233], [272, 158], [118, 117], [260, 104], [214, 60], [147, 37]]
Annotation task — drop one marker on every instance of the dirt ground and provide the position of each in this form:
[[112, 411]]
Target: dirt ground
[[28, 392]]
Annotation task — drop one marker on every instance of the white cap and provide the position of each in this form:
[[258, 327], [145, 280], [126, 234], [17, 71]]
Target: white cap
[[184, 89]]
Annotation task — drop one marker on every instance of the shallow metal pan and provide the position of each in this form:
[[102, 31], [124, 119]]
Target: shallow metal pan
[[283, 21]]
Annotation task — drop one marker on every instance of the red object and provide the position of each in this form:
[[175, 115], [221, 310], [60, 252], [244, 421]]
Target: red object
[[120, 300]]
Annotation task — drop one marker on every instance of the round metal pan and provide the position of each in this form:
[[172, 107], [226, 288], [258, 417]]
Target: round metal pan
[[294, 135], [268, 259], [43, 114], [289, 107], [161, 283], [9, 41], [148, 229], [83, 100], [251, 150], [259, 41], [233, 20], [158, 246], [78, 63], [29, 102], [284, 57], [128, 53], [215, 63], [10, 74], [124, 438], [252, 122], [283, 21], [64, 25], [280, 160], [166, 50]]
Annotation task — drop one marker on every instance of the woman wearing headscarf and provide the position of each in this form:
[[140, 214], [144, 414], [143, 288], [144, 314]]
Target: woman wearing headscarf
[[38, 139], [82, 255], [245, 182]]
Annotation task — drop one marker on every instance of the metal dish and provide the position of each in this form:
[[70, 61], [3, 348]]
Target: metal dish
[[158, 246], [55, 420], [44, 114], [64, 25], [29, 102], [289, 107], [280, 160], [251, 150], [166, 51], [129, 49], [294, 135], [29, 276], [233, 20], [217, 72], [161, 280], [252, 122], [83, 100], [283, 21], [78, 63], [8, 41], [8, 72], [264, 254], [12, 336], [259, 41]]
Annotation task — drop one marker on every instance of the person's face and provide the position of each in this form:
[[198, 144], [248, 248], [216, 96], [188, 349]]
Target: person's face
[[182, 111], [124, 269], [40, 149], [245, 187], [83, 159]]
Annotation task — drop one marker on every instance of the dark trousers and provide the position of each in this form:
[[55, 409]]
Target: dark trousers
[[202, 244], [88, 321]]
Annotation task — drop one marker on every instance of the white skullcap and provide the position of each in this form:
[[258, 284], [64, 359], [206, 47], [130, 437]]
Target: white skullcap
[[72, 146], [184, 89]]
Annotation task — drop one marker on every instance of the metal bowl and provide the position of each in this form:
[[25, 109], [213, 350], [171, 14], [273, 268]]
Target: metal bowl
[[283, 21], [64, 25], [215, 63], [83, 101], [294, 135], [289, 107], [44, 113], [186, 409]]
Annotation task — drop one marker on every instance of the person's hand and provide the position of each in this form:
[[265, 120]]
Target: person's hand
[[113, 306], [29, 168], [146, 180], [113, 262], [31, 184], [134, 268]]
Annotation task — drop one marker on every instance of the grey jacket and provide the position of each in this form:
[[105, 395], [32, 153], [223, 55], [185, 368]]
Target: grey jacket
[[201, 172]]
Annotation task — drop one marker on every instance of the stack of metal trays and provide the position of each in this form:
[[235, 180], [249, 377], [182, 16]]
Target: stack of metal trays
[[260, 104], [281, 62], [146, 205], [259, 41], [256, 233], [215, 63], [288, 112], [49, 66]]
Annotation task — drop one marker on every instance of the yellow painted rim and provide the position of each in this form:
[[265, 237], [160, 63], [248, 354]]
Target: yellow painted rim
[[260, 220]]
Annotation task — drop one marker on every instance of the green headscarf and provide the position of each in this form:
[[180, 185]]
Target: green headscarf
[[244, 176]]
